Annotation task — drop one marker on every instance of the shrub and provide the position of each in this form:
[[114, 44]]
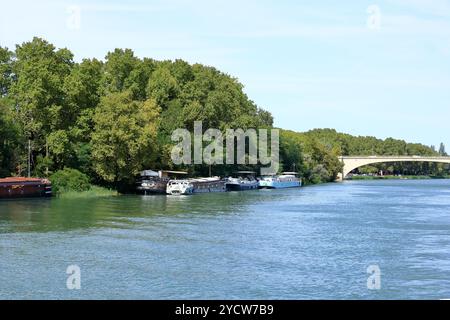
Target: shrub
[[320, 174], [69, 180]]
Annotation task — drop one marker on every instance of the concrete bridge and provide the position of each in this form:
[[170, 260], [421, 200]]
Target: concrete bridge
[[352, 163]]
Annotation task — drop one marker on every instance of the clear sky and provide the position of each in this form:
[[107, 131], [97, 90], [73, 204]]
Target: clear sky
[[378, 68]]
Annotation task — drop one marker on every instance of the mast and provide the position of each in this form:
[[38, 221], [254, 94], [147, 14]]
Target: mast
[[29, 158]]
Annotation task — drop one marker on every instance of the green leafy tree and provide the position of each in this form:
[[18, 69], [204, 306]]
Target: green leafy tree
[[40, 70], [442, 151], [6, 76], [82, 95], [11, 139], [124, 138], [38, 92], [137, 81], [162, 86], [119, 66]]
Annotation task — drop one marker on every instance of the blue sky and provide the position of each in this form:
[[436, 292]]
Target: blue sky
[[378, 68]]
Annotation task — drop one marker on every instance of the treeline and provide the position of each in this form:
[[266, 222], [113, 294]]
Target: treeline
[[315, 154], [348, 145], [110, 119]]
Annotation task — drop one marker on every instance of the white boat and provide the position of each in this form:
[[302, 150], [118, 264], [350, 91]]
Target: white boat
[[285, 180], [179, 187]]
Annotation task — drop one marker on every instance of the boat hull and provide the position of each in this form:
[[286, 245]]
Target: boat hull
[[241, 186], [178, 192], [279, 184], [154, 187], [24, 188], [209, 187]]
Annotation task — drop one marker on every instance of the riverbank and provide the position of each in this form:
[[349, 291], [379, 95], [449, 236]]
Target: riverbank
[[391, 177], [93, 192], [98, 192]]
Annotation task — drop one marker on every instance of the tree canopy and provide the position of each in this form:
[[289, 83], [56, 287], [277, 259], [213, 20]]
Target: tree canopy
[[110, 119]]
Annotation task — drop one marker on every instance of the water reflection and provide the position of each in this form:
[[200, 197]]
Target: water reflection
[[56, 214]]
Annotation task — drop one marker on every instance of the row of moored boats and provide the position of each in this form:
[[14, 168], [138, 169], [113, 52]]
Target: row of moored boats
[[152, 182]]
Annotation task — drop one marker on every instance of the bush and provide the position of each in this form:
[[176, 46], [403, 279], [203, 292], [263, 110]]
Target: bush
[[69, 180], [319, 174]]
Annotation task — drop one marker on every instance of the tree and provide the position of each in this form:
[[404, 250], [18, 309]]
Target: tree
[[9, 132], [291, 152], [162, 87], [118, 67], [137, 80], [40, 70], [38, 94], [82, 93], [10, 139], [124, 137], [5, 70], [442, 151]]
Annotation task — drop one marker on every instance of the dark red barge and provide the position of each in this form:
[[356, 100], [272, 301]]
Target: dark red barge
[[18, 187]]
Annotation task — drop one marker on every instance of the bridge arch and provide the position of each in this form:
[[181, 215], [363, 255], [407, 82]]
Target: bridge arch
[[352, 163]]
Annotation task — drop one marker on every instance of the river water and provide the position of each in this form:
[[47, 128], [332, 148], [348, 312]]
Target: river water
[[310, 243]]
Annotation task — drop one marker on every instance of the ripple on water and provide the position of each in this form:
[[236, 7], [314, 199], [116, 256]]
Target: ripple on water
[[314, 242]]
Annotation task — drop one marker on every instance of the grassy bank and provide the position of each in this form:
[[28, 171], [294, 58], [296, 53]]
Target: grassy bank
[[397, 177], [94, 192]]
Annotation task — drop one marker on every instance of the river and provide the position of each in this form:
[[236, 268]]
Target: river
[[310, 243]]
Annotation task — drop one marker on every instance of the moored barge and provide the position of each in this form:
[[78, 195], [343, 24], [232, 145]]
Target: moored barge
[[196, 185], [207, 185], [285, 180], [152, 182], [19, 187], [245, 181]]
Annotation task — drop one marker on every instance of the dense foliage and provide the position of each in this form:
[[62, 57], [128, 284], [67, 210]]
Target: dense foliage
[[69, 180], [110, 119], [9, 139]]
